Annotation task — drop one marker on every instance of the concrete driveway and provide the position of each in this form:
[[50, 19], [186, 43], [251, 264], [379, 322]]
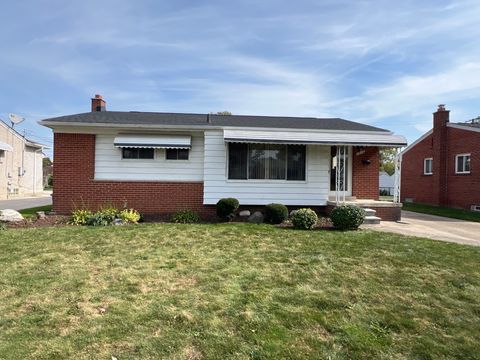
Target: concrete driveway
[[26, 203], [433, 227]]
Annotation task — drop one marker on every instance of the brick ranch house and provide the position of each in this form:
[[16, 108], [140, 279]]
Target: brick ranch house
[[443, 166], [159, 163]]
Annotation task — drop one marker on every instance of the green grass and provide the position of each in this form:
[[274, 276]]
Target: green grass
[[32, 211], [235, 291], [443, 211]]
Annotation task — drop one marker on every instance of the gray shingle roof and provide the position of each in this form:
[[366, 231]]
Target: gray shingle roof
[[474, 125], [116, 118]]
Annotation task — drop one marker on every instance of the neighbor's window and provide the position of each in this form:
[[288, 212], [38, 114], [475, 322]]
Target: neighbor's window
[[428, 166], [176, 154], [137, 153], [462, 164], [266, 162]]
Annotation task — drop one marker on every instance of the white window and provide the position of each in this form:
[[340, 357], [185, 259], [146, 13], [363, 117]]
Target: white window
[[137, 153], [428, 166], [462, 164], [176, 154]]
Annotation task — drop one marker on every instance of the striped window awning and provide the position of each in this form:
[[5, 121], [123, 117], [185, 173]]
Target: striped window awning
[[5, 146], [311, 137], [148, 141]]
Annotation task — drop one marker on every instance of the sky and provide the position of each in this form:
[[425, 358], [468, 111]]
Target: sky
[[384, 63]]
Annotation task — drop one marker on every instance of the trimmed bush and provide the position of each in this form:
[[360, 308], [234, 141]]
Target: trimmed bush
[[129, 216], [80, 217], [185, 217], [226, 208], [276, 213], [304, 219], [347, 217]]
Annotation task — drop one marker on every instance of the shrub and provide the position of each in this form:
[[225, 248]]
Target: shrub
[[129, 216], [185, 217], [104, 217], [347, 217], [226, 208], [276, 213], [80, 217], [304, 219]]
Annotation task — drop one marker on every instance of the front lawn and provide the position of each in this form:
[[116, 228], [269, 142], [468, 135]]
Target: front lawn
[[235, 291], [443, 211]]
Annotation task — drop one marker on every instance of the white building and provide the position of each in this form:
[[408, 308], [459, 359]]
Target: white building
[[21, 164]]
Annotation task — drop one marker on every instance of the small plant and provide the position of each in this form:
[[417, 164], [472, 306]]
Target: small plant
[[304, 219], [347, 217], [276, 213], [80, 216], [129, 216], [226, 208], [185, 217]]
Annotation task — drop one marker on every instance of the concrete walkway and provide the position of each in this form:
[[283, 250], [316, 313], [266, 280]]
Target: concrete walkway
[[432, 227], [26, 203]]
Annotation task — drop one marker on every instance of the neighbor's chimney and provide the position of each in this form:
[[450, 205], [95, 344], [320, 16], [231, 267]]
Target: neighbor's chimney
[[98, 104], [441, 117], [440, 146]]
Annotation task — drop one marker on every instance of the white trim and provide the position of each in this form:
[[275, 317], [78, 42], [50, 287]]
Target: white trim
[[463, 127], [456, 162], [201, 127], [421, 138], [425, 166], [5, 147], [312, 138]]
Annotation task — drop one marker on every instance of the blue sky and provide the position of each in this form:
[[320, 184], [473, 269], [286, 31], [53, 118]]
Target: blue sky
[[386, 63]]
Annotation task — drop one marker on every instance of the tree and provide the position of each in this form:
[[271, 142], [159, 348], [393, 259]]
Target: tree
[[387, 160]]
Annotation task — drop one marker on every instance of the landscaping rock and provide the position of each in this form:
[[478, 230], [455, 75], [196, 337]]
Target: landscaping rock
[[117, 222], [244, 213], [256, 218], [9, 215], [40, 214]]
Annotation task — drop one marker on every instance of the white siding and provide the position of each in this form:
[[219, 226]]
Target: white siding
[[313, 191], [109, 164]]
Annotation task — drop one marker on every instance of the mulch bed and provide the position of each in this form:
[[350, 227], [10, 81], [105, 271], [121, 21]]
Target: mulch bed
[[34, 222]]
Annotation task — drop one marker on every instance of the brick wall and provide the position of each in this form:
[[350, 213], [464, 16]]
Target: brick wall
[[463, 190], [74, 184], [415, 184], [365, 177]]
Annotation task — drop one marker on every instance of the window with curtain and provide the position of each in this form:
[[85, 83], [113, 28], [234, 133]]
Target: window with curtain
[[266, 162]]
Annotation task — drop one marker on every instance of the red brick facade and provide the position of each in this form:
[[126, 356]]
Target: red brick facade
[[444, 187], [74, 184], [365, 170]]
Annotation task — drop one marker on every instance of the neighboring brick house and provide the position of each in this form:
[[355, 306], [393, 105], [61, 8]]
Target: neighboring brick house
[[443, 166], [160, 163]]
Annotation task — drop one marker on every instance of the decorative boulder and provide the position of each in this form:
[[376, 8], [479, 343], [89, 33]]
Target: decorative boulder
[[40, 214], [256, 218], [244, 213], [9, 215]]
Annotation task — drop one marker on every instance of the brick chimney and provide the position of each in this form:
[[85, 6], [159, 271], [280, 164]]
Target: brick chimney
[[441, 117], [440, 146], [98, 104]]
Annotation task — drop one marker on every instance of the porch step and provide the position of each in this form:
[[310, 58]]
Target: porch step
[[372, 220], [369, 212]]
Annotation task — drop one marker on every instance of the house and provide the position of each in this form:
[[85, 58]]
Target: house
[[20, 164], [160, 163], [443, 166]]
